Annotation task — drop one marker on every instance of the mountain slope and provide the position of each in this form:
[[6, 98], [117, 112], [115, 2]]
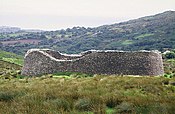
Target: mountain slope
[[151, 32]]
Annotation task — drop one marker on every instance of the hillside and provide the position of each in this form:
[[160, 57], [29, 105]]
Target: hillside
[[11, 57], [9, 70], [146, 33], [6, 29]]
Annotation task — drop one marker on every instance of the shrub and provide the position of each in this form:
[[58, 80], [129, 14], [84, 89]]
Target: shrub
[[83, 105], [80, 75], [124, 107], [61, 104], [156, 108], [170, 75], [170, 55], [6, 96], [112, 101], [98, 105]]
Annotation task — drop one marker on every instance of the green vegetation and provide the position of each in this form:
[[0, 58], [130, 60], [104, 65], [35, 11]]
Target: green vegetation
[[155, 32], [10, 65], [70, 75], [143, 36], [9, 70], [98, 94], [127, 42], [169, 64], [170, 55], [11, 57]]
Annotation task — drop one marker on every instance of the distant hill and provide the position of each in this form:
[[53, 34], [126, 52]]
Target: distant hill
[[146, 33], [6, 29]]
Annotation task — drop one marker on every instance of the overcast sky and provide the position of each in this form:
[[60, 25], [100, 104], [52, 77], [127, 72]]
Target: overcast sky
[[60, 14]]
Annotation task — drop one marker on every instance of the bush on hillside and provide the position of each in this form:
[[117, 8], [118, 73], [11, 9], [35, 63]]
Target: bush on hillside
[[170, 55]]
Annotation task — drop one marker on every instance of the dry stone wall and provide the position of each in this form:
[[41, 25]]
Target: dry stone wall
[[45, 61]]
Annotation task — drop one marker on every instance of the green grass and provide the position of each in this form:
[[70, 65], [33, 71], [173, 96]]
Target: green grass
[[71, 75], [9, 70], [110, 111], [127, 42], [98, 94], [14, 60], [143, 35], [11, 57]]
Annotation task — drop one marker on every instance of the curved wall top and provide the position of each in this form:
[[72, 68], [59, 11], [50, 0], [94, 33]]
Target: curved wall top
[[45, 61]]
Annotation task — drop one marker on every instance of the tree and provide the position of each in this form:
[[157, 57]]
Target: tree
[[170, 55], [43, 37], [1, 44]]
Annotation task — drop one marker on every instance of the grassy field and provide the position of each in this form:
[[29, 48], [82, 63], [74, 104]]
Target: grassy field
[[143, 35], [98, 94], [9, 70], [11, 57]]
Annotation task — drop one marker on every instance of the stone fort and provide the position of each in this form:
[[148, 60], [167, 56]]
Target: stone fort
[[45, 61]]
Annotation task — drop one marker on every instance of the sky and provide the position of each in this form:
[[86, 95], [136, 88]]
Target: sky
[[62, 14]]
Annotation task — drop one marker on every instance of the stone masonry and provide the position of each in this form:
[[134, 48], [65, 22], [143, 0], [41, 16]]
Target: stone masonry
[[45, 61]]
